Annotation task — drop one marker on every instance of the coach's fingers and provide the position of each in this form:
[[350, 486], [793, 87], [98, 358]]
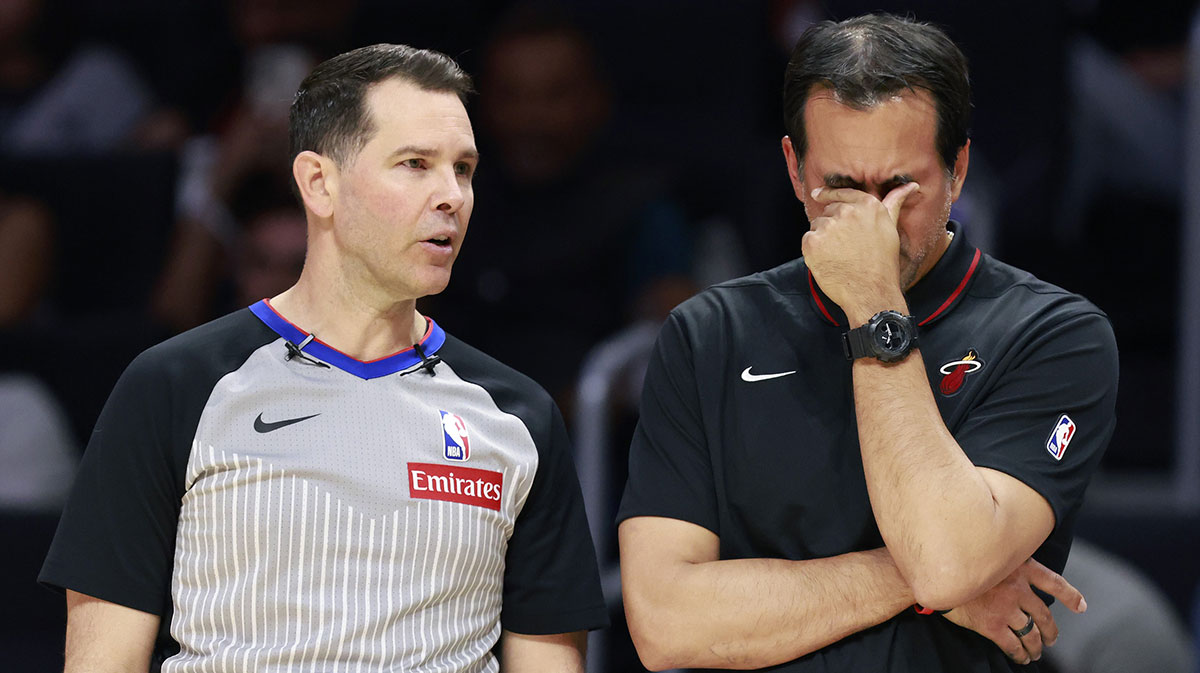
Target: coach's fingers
[[807, 241], [1054, 584], [843, 195], [837, 209], [1042, 618], [1012, 647], [894, 200], [1032, 642]]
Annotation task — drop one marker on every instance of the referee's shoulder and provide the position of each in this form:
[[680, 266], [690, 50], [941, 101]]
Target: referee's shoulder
[[475, 366], [205, 345]]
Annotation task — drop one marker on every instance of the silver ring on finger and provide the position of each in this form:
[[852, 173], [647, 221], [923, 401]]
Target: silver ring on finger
[[1024, 630]]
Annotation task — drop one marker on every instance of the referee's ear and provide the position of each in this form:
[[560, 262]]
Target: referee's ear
[[316, 180]]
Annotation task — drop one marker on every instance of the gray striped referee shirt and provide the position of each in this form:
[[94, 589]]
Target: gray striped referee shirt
[[287, 512]]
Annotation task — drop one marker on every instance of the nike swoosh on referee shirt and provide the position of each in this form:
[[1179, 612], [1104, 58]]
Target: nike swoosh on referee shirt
[[747, 376], [263, 426]]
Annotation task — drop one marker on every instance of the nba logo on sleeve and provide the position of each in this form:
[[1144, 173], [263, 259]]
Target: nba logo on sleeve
[[458, 445], [1064, 430]]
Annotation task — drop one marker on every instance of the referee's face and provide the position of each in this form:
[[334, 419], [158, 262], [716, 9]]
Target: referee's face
[[401, 206], [877, 150]]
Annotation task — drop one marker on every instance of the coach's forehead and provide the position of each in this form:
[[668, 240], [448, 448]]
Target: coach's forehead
[[896, 135]]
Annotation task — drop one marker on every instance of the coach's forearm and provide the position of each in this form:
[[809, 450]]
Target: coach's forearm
[[949, 530], [753, 613], [750, 613]]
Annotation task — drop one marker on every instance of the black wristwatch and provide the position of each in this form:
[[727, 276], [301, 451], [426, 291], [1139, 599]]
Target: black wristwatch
[[888, 336]]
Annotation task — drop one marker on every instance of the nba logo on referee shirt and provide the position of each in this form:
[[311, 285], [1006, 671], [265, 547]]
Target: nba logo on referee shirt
[[1064, 430], [454, 430]]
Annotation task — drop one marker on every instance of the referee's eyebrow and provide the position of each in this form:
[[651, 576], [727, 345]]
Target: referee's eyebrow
[[431, 153]]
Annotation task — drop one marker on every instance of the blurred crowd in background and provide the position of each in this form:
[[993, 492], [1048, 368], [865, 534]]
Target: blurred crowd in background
[[630, 157]]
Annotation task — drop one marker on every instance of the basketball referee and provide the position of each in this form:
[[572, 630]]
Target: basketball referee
[[326, 480]]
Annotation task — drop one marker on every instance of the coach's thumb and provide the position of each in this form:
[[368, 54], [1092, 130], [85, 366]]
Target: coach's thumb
[[895, 198]]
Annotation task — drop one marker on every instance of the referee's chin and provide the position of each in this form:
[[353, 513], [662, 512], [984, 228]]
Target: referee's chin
[[429, 281]]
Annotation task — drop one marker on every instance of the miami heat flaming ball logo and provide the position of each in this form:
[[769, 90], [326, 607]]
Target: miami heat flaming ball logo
[[954, 373], [458, 444]]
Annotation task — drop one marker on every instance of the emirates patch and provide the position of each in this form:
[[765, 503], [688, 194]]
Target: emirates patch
[[454, 483], [955, 373]]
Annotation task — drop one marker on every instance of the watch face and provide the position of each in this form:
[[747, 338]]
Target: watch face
[[891, 336]]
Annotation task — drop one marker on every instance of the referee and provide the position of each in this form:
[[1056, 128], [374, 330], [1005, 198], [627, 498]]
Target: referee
[[327, 480], [893, 419]]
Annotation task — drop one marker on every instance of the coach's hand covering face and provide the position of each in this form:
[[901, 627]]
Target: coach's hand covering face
[[876, 193], [392, 215]]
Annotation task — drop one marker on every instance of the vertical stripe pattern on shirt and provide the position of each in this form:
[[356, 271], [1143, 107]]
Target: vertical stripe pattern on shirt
[[275, 574]]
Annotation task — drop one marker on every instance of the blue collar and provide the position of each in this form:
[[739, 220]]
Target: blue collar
[[397, 362]]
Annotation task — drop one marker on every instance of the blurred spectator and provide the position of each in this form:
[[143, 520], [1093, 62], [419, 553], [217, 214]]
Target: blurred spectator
[[272, 243], [280, 42], [1196, 628], [1187, 401], [569, 241], [1129, 627], [86, 99], [26, 257], [37, 450], [75, 117], [1125, 130], [1123, 177]]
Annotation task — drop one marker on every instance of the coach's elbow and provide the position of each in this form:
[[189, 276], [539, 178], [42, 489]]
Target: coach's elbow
[[660, 646], [654, 659], [946, 583]]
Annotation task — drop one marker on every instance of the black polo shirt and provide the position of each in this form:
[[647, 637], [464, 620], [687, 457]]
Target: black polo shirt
[[1024, 374]]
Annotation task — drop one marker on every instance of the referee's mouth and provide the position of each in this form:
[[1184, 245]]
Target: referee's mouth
[[440, 246]]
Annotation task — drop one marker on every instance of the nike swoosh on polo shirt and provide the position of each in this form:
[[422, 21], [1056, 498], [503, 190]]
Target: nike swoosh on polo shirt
[[747, 376]]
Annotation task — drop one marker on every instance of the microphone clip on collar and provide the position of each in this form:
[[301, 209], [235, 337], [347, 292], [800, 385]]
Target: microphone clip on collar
[[297, 352], [427, 362]]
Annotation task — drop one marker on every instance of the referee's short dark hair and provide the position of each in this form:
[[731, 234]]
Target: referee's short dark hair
[[329, 115], [867, 59]]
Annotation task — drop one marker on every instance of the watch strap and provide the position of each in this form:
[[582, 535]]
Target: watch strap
[[856, 343]]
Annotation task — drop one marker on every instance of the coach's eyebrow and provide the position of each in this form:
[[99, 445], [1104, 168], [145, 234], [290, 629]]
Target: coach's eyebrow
[[839, 181]]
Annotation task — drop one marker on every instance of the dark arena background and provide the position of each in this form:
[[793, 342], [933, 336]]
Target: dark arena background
[[630, 157]]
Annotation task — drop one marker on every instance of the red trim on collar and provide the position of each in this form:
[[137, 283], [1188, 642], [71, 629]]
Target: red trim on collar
[[812, 287], [957, 291]]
